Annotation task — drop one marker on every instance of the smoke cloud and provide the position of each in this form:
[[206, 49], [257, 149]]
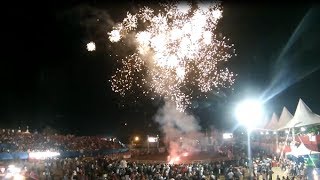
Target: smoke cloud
[[181, 130]]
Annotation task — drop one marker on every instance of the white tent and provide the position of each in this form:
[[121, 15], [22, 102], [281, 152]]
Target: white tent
[[302, 150], [293, 151], [302, 117], [285, 118], [272, 123]]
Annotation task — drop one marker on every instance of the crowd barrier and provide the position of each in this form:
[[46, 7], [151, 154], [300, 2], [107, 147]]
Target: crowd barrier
[[64, 154]]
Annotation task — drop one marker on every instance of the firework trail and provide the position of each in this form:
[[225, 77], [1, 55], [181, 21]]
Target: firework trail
[[177, 52]]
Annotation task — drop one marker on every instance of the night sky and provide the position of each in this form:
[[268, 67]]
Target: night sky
[[48, 78]]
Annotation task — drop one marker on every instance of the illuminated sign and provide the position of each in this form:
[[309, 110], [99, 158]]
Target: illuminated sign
[[227, 135]]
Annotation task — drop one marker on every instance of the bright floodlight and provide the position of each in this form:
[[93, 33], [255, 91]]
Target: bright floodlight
[[136, 138], [249, 113]]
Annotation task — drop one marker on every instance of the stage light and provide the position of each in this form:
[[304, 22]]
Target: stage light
[[249, 113], [136, 138]]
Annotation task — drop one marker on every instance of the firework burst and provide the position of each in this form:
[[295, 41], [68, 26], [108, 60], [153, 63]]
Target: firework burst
[[176, 52], [91, 46]]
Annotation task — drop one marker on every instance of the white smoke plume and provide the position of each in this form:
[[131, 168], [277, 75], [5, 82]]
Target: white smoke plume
[[181, 130]]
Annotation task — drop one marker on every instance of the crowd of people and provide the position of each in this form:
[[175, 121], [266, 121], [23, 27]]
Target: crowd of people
[[17, 141], [293, 168], [114, 167], [121, 166]]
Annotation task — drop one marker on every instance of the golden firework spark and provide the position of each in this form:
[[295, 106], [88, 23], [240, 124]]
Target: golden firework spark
[[176, 47], [91, 46]]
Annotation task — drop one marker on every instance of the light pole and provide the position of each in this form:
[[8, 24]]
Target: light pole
[[293, 134], [135, 140], [148, 140], [249, 113]]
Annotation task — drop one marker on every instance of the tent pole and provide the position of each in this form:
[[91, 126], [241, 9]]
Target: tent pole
[[277, 141]]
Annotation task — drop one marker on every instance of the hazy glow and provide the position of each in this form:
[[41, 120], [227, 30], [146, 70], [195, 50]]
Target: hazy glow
[[173, 160], [136, 138], [18, 177], [43, 155], [249, 113], [13, 172], [175, 47]]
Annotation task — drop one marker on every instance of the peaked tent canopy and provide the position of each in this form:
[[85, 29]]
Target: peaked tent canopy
[[302, 117], [285, 118], [272, 123]]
